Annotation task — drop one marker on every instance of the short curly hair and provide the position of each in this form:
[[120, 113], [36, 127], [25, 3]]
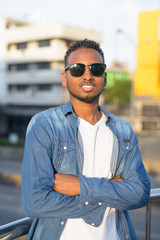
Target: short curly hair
[[83, 44]]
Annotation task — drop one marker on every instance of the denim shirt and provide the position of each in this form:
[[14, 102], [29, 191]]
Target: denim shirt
[[53, 145]]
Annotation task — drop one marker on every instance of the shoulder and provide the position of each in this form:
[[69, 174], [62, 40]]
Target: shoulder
[[47, 118], [122, 128], [51, 113], [116, 120]]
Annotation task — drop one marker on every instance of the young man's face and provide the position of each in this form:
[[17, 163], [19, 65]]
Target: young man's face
[[86, 88]]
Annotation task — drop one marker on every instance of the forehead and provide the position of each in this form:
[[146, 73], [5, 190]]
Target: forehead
[[85, 55]]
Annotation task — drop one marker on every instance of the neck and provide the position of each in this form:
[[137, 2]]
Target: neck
[[87, 111]]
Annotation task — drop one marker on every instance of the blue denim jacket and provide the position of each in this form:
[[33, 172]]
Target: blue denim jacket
[[53, 145]]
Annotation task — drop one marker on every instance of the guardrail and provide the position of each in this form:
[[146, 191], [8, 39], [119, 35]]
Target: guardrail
[[15, 229], [21, 227], [154, 197]]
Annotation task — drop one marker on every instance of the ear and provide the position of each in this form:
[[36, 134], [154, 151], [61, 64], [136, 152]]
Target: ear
[[105, 79], [64, 79]]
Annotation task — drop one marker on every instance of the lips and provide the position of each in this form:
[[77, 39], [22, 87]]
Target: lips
[[87, 88]]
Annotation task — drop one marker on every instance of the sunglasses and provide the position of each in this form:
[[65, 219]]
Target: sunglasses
[[78, 69]]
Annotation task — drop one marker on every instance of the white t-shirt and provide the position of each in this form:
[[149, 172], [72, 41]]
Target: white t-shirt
[[97, 143]]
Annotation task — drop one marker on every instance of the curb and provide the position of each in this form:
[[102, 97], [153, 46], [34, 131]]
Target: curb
[[11, 179]]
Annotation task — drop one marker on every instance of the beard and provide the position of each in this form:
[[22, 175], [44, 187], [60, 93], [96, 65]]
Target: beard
[[89, 98]]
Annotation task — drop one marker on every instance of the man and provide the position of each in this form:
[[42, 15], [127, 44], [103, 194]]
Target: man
[[82, 168]]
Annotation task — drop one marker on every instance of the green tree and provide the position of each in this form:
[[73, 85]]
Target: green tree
[[120, 92]]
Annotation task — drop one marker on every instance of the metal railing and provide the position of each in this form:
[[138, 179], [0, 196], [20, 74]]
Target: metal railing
[[154, 197], [21, 227], [15, 229]]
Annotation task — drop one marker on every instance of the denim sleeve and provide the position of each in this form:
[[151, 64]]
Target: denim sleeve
[[132, 193], [39, 198]]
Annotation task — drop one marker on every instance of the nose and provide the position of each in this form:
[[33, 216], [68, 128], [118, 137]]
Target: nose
[[87, 74]]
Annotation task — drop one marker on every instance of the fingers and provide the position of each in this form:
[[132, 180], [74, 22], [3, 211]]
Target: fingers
[[117, 179]]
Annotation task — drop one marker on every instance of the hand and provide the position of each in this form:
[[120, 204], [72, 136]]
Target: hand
[[66, 184], [117, 179]]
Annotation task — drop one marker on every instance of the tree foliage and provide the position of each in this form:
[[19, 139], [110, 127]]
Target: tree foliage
[[120, 92]]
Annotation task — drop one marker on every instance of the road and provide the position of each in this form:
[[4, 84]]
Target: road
[[11, 166], [10, 204]]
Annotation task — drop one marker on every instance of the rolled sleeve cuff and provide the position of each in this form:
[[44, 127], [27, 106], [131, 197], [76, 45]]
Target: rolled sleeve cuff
[[87, 194]]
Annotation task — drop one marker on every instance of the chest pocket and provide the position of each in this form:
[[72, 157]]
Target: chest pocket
[[64, 156], [125, 146]]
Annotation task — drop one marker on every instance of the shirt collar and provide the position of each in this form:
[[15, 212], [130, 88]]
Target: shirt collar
[[108, 116], [69, 109]]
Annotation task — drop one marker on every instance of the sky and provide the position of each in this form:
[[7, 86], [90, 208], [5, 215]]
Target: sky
[[104, 16]]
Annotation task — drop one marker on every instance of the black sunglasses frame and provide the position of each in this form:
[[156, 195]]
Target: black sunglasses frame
[[83, 66]]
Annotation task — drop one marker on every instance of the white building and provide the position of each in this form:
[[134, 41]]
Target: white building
[[31, 62]]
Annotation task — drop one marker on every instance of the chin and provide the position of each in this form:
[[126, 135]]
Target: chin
[[88, 99]]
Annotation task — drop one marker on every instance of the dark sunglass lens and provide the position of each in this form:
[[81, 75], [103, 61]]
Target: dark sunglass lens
[[77, 70], [98, 69]]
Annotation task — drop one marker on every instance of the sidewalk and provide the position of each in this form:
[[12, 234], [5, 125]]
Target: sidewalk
[[10, 172]]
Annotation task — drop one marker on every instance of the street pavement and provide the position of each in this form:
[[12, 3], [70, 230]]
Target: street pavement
[[10, 204]]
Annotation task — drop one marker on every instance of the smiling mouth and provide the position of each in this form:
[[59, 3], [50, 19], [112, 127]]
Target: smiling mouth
[[87, 88]]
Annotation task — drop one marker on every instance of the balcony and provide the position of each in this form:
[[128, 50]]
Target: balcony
[[33, 97], [36, 54], [33, 76]]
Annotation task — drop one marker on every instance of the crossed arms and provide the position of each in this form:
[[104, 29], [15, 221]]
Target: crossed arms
[[46, 194], [69, 185]]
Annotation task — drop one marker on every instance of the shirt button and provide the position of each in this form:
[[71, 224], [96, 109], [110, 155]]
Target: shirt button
[[99, 203], [62, 223], [127, 149], [127, 236], [86, 203], [65, 148], [93, 224]]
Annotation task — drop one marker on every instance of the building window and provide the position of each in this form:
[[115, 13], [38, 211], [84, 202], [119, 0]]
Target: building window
[[22, 45], [22, 67], [151, 110], [43, 65], [68, 42], [44, 87], [8, 46], [18, 67], [11, 88], [19, 87], [151, 125], [22, 87], [44, 43], [11, 67]]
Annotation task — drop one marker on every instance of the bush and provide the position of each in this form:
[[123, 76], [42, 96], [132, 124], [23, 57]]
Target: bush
[[120, 92], [6, 142]]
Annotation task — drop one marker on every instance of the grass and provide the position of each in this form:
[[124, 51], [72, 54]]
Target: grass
[[6, 142]]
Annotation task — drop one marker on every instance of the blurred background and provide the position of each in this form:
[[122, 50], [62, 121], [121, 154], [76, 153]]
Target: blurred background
[[34, 36]]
